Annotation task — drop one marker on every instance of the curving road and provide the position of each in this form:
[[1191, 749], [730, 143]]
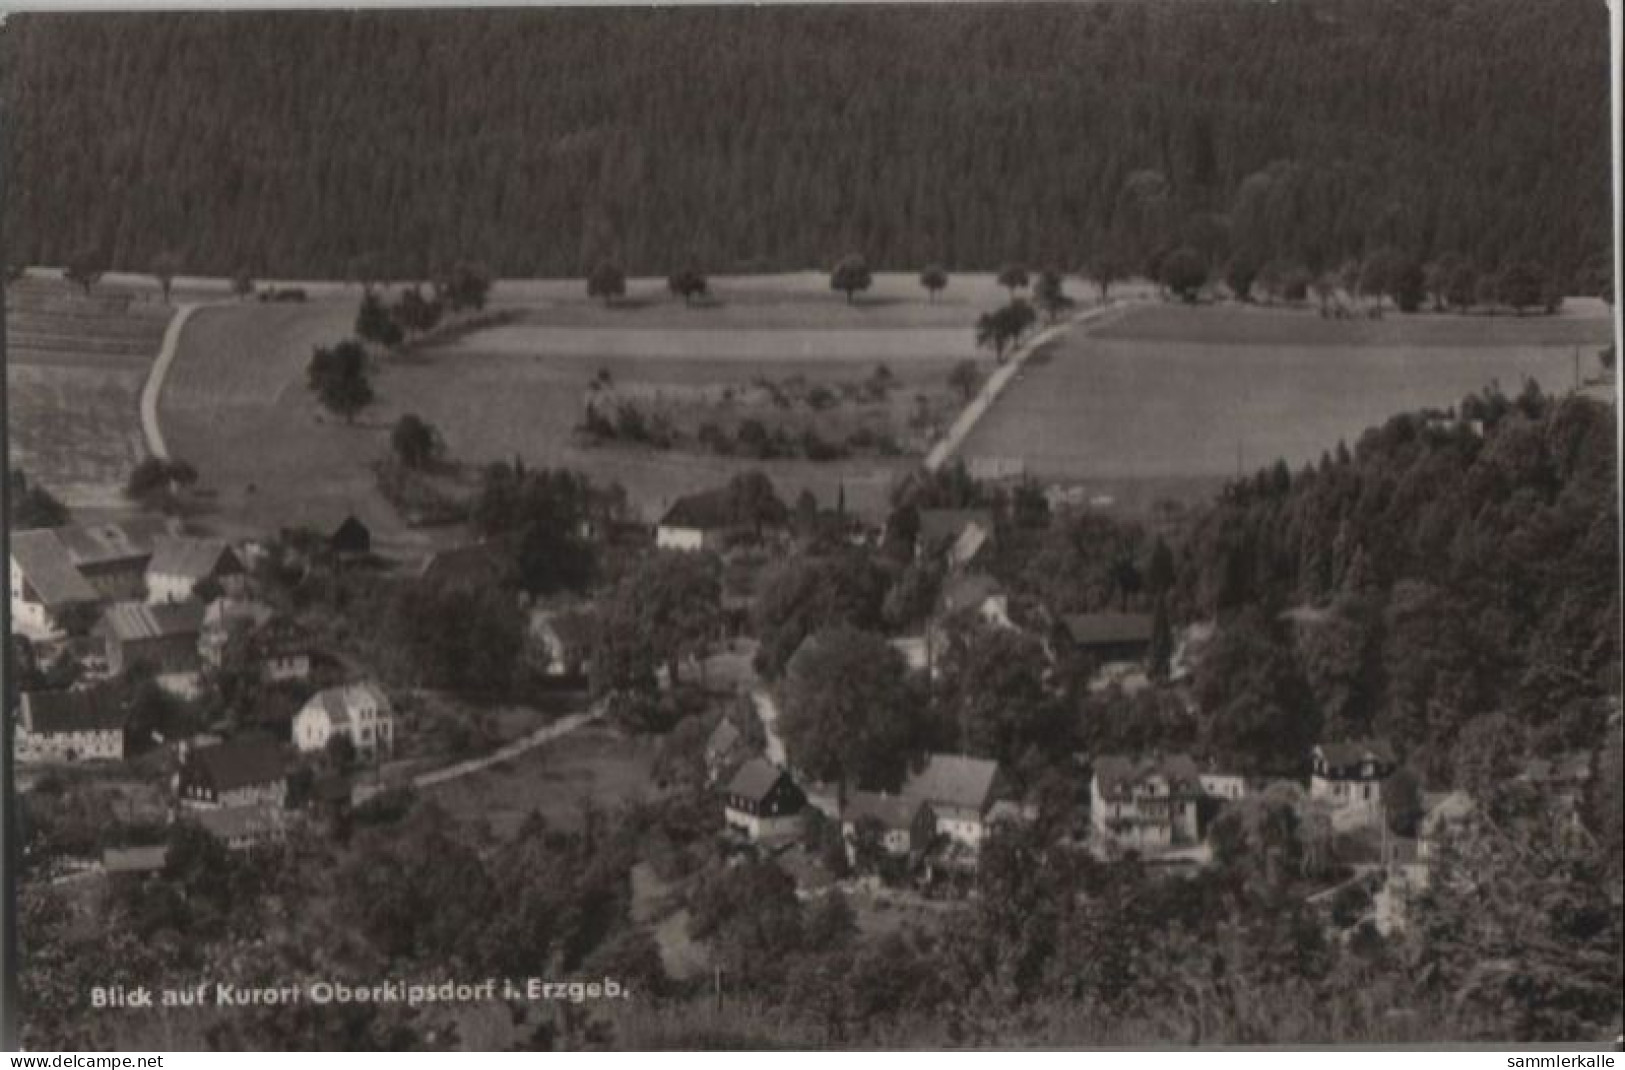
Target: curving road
[[155, 379]]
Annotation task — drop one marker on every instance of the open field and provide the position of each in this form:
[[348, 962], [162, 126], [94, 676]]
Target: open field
[[593, 764], [235, 404], [74, 368], [1168, 393]]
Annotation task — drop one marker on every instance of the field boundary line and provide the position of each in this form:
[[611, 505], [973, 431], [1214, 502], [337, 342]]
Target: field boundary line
[[972, 413], [153, 387]]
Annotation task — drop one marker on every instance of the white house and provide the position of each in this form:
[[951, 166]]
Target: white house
[[80, 724], [703, 521], [359, 711], [1349, 776], [1147, 804]]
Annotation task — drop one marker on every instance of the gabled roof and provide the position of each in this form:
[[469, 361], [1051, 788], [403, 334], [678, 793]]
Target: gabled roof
[[894, 812], [129, 622], [240, 763], [80, 709], [1090, 629], [192, 559], [1355, 751], [48, 568], [944, 525], [969, 591], [350, 534], [754, 779], [111, 543], [709, 510], [1117, 774], [954, 780]]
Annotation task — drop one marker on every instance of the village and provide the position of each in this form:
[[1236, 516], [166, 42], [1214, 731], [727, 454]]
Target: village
[[138, 603]]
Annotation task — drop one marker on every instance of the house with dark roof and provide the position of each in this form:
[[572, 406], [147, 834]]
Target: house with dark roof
[[1149, 803], [725, 748], [113, 556], [957, 535], [179, 565], [958, 792], [703, 521], [360, 712], [242, 772], [78, 724], [1350, 775], [162, 636], [1110, 637], [763, 802], [899, 824]]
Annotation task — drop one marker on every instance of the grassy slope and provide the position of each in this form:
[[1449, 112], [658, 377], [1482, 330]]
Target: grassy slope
[[1168, 391]]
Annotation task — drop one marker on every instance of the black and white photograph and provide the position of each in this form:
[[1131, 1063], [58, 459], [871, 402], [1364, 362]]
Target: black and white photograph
[[852, 526]]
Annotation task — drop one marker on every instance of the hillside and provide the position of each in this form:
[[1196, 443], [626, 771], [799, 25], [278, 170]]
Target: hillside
[[541, 141]]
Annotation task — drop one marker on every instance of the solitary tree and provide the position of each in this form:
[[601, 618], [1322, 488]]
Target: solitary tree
[[242, 283], [338, 377], [1183, 273], [1013, 277], [414, 441], [373, 322], [1003, 328], [164, 268], [414, 313], [688, 284], [965, 378], [607, 282], [848, 716], [851, 277], [465, 286], [935, 279], [1520, 286], [1240, 274], [85, 269], [1051, 295], [1103, 269]]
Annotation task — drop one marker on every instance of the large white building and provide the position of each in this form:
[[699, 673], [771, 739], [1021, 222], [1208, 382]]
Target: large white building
[[1146, 804], [1349, 776], [359, 711]]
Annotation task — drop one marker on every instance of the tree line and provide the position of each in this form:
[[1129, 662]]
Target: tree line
[[742, 140]]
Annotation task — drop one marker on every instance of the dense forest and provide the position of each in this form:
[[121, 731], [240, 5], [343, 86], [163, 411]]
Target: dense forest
[[744, 139]]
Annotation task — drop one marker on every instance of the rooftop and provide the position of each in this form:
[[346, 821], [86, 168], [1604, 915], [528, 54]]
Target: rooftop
[[1118, 774], [240, 763], [969, 591], [48, 568], [80, 709], [954, 780], [709, 510], [1355, 751], [193, 559], [944, 525], [894, 812], [342, 702], [754, 779], [130, 622], [1088, 629]]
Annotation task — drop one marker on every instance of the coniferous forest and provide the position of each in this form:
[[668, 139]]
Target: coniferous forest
[[741, 139]]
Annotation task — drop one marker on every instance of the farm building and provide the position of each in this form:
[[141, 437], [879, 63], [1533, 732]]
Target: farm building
[[179, 565], [163, 636], [958, 535], [959, 792], [360, 712], [46, 588], [245, 772], [762, 801], [80, 724], [1146, 803], [1110, 637], [1350, 775], [703, 521]]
